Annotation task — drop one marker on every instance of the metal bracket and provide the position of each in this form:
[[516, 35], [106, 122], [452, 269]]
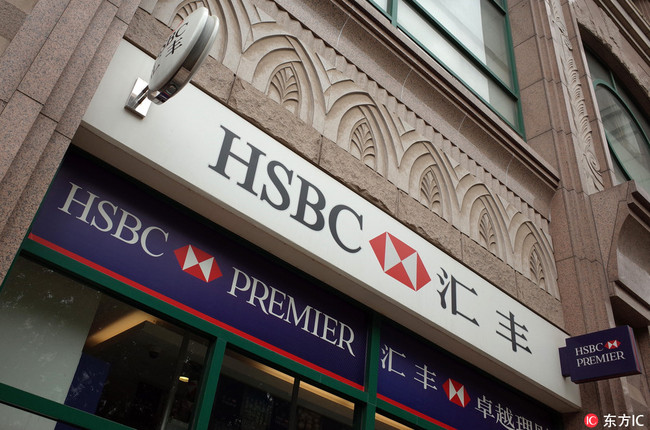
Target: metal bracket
[[138, 103]]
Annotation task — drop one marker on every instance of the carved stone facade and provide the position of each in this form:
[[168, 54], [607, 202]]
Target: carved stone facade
[[292, 66], [588, 163]]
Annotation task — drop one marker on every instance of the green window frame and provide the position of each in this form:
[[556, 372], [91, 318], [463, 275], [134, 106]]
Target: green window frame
[[479, 54], [627, 129]]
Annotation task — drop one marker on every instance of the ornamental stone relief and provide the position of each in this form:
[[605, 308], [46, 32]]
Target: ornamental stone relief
[[362, 143], [284, 88], [430, 191], [285, 61], [588, 165]]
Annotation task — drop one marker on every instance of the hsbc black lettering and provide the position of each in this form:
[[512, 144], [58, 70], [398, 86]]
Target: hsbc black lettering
[[311, 209]]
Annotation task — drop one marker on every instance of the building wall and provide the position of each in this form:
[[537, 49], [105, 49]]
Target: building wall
[[55, 59], [538, 217]]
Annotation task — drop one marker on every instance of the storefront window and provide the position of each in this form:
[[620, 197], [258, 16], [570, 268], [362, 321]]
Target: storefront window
[[384, 423], [15, 419], [66, 342], [321, 410], [253, 396]]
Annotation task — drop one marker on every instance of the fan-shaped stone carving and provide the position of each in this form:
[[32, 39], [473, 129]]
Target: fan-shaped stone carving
[[362, 143], [536, 268], [486, 234], [429, 191], [284, 88], [184, 9]]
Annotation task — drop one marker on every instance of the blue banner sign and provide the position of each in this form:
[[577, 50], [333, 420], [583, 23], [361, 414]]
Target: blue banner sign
[[441, 389], [601, 355], [108, 223]]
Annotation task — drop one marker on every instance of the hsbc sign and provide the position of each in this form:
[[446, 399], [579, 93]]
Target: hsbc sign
[[600, 355], [236, 167]]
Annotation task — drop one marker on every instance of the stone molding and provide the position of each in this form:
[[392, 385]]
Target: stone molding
[[588, 163]]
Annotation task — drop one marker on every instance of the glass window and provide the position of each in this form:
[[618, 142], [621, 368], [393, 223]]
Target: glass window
[[384, 423], [67, 342], [625, 126], [16, 419], [253, 396], [470, 38], [321, 410]]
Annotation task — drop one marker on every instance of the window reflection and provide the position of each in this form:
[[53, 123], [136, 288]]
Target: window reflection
[[384, 423], [16, 419], [470, 38], [251, 395], [71, 344], [627, 140], [626, 126]]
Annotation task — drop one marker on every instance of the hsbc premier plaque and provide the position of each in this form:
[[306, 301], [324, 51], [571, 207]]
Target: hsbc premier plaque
[[601, 355]]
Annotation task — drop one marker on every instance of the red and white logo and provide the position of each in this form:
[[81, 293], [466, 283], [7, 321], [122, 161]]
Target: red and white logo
[[591, 420], [400, 261], [612, 344], [456, 392], [197, 263]]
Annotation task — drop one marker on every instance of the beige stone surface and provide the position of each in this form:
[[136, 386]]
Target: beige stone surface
[[361, 179], [50, 71], [488, 265], [429, 225], [12, 18], [275, 120], [543, 303]]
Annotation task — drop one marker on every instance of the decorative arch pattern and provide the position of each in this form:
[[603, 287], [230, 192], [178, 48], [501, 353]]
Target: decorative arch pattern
[[184, 9], [430, 191], [486, 234], [536, 267], [285, 61], [362, 143], [284, 87]]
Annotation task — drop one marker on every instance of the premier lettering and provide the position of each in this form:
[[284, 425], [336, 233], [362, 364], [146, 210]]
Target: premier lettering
[[128, 228], [598, 359], [278, 304], [311, 208]]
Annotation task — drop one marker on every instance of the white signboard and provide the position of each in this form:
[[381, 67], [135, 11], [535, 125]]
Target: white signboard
[[209, 148]]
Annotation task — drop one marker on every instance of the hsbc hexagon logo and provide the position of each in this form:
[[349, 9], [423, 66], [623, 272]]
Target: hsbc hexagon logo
[[400, 261], [612, 344], [456, 392], [198, 263]]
